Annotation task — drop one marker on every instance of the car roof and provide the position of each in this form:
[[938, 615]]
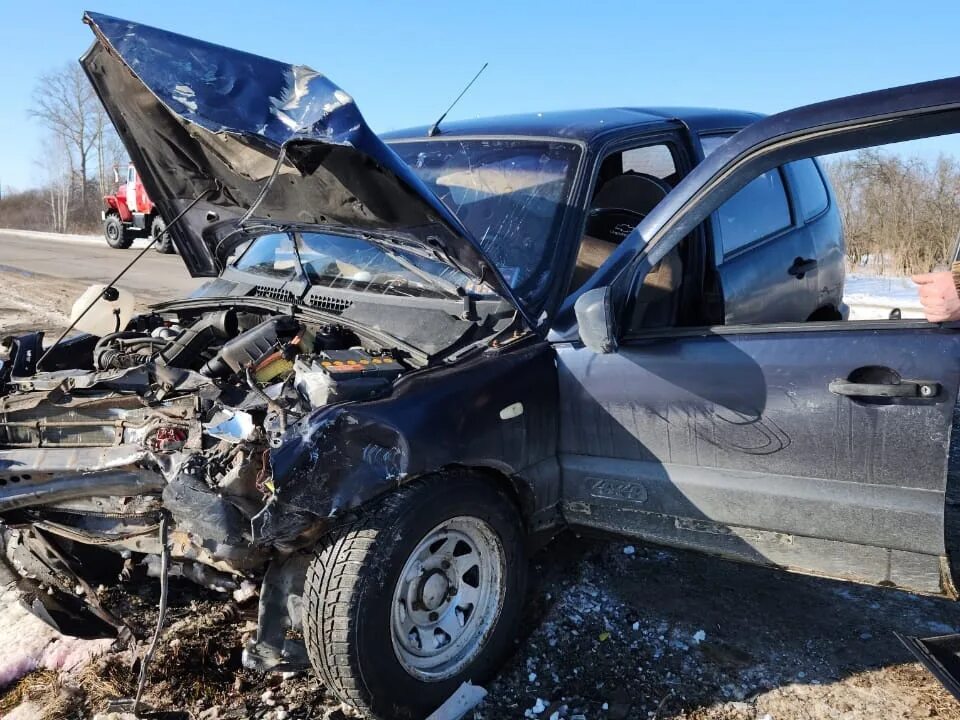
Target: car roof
[[585, 125]]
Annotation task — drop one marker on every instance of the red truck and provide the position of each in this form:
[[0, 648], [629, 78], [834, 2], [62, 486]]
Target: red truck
[[129, 213]]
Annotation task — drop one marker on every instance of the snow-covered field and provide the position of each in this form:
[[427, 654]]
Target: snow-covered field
[[872, 297]]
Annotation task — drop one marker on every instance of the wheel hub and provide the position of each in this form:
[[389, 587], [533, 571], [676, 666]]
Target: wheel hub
[[434, 590], [448, 598]]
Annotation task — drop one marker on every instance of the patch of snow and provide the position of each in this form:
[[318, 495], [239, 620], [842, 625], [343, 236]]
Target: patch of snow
[[243, 593], [28, 644], [699, 636], [538, 707], [872, 297], [629, 550]]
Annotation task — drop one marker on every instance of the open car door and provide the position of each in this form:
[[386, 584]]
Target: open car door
[[824, 448]]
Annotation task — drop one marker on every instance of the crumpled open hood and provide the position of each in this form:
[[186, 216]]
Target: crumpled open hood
[[202, 120]]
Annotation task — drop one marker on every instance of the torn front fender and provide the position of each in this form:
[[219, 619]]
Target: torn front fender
[[496, 411]]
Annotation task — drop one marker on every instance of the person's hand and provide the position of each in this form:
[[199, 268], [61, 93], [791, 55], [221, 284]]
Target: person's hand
[[938, 295]]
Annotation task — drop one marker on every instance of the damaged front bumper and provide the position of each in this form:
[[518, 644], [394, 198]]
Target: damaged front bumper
[[188, 419]]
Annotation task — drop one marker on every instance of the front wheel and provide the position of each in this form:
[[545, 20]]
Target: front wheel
[[115, 233], [416, 596]]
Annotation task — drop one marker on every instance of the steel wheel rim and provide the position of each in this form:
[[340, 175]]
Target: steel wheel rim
[[448, 598], [112, 232]]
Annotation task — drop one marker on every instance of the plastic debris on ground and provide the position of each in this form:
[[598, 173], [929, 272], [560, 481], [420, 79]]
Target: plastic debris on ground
[[465, 699]]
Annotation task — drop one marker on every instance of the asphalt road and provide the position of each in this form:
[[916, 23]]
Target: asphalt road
[[89, 259]]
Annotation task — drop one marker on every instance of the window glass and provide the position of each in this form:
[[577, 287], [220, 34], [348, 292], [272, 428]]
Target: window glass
[[758, 210], [709, 143], [656, 160], [808, 187], [271, 255], [510, 194], [353, 263]]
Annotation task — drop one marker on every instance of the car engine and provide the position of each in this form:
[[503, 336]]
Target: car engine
[[175, 415]]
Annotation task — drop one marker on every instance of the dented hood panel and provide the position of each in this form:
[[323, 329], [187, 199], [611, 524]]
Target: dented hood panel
[[243, 132]]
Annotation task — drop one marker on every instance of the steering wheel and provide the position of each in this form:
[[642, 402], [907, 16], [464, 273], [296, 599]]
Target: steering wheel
[[612, 224]]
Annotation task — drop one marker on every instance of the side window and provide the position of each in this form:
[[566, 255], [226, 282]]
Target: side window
[[757, 211], [656, 160], [131, 175], [808, 187], [630, 183]]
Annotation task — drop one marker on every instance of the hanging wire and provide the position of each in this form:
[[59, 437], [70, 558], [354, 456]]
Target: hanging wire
[[164, 590]]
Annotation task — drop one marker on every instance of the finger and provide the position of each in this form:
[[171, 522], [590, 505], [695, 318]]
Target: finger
[[924, 278]]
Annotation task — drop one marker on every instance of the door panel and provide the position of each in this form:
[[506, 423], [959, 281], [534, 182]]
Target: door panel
[[732, 442], [768, 275]]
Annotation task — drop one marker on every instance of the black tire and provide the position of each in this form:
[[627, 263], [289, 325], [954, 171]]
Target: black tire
[[115, 233], [164, 244], [349, 595]]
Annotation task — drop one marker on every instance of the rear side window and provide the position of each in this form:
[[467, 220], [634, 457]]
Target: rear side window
[[808, 187], [757, 211], [656, 160]]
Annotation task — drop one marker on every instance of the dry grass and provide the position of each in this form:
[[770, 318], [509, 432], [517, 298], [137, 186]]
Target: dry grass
[[44, 689]]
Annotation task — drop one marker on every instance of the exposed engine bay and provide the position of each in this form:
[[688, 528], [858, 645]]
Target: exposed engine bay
[[174, 415]]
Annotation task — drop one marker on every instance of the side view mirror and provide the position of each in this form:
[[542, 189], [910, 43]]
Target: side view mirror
[[594, 311]]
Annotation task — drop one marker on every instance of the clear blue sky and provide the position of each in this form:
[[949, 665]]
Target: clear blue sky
[[404, 62]]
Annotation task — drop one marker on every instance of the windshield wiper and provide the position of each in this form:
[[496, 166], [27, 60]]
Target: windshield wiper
[[431, 279]]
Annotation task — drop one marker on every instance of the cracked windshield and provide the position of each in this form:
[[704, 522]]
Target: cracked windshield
[[510, 194]]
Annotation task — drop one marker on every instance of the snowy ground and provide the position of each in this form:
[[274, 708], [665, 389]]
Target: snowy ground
[[872, 297], [612, 631], [71, 238]]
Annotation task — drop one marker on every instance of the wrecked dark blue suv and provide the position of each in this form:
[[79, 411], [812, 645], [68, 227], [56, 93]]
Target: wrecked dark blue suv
[[414, 359]]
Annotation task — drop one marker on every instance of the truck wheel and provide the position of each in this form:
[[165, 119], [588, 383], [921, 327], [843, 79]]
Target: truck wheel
[[416, 596], [116, 235], [164, 244]]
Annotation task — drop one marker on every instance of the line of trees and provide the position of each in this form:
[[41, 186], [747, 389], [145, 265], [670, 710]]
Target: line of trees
[[901, 215], [76, 161]]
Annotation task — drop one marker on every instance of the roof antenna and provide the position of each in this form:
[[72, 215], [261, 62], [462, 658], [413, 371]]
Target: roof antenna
[[435, 128]]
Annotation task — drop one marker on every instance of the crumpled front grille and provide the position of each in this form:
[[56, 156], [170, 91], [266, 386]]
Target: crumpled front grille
[[101, 421]]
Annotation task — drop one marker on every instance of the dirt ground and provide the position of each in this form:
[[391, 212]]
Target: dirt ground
[[612, 630]]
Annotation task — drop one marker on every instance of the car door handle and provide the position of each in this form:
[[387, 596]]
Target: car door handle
[[904, 389], [802, 266]]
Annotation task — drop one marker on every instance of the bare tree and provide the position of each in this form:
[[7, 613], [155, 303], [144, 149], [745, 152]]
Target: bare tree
[[900, 214], [58, 170], [64, 101]]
